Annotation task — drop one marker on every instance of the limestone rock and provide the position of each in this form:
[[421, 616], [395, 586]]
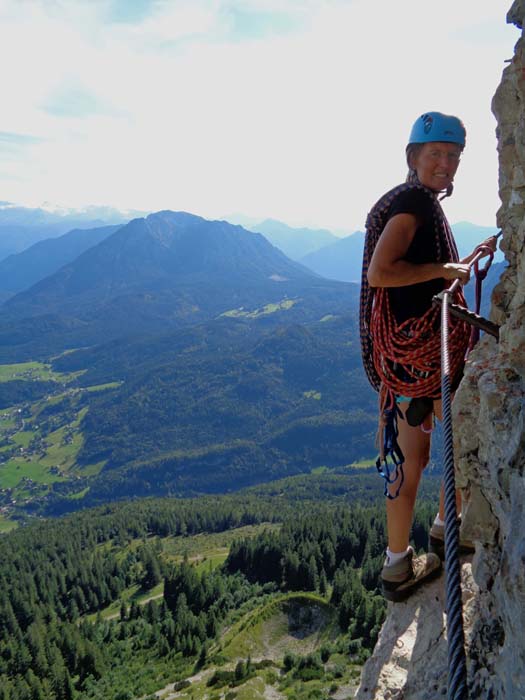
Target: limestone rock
[[410, 658]]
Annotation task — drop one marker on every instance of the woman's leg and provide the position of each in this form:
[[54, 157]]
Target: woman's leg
[[415, 445]]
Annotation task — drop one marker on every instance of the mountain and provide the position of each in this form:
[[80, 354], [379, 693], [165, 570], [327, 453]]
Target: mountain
[[203, 360], [468, 236], [228, 403], [294, 242], [165, 271], [21, 227], [341, 260], [21, 270]]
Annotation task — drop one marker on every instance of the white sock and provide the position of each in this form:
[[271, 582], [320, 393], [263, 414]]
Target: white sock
[[438, 521], [393, 557]]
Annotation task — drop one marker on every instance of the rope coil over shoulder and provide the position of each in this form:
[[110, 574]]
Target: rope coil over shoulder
[[405, 359]]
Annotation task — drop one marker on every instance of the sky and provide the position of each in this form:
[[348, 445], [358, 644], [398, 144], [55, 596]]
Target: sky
[[286, 109]]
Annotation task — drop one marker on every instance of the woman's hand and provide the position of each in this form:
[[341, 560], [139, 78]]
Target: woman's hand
[[456, 271], [491, 242]]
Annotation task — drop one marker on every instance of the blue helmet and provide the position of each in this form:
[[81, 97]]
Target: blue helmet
[[435, 126]]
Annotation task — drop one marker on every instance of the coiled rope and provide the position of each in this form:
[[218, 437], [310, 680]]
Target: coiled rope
[[404, 359]]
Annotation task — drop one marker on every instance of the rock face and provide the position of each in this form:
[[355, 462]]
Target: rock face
[[490, 413], [489, 423], [410, 658]]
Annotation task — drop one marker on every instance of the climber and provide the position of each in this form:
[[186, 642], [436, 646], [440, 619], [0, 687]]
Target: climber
[[410, 255]]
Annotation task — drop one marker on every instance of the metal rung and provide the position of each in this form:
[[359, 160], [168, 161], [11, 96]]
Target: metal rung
[[470, 317]]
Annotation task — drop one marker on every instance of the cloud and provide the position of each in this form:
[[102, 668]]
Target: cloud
[[13, 148], [73, 101], [17, 140], [244, 24], [130, 11], [294, 109]]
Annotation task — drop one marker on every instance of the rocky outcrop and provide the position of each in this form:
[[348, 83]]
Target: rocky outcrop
[[410, 658], [490, 415], [489, 419]]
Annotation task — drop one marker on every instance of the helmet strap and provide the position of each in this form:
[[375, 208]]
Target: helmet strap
[[448, 192]]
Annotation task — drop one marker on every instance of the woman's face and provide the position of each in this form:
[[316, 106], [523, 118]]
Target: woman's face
[[436, 164]]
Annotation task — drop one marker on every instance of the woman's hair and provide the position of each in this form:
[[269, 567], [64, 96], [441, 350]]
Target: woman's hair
[[412, 151]]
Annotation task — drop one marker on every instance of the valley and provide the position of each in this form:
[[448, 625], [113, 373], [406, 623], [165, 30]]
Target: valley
[[271, 592]]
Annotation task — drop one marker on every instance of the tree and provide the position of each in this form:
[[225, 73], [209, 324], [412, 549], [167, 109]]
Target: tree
[[240, 671]]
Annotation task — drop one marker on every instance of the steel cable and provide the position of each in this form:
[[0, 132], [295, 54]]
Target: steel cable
[[457, 662]]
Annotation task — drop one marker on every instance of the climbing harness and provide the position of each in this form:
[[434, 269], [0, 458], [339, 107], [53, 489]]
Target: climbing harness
[[457, 664], [389, 464]]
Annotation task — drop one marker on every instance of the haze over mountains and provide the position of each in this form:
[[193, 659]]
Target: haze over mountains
[[21, 227], [319, 250], [22, 270], [165, 271], [342, 258], [294, 242]]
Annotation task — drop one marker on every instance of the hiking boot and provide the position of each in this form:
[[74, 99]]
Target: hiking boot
[[436, 541], [401, 579]]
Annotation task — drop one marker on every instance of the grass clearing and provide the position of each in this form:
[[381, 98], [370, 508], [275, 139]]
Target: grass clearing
[[320, 470], [208, 550], [31, 371], [363, 463], [44, 463], [23, 438], [132, 594], [103, 387], [15, 470], [283, 305], [6, 525], [312, 394], [90, 469], [79, 495]]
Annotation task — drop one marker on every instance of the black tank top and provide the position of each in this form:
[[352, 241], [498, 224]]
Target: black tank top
[[413, 300]]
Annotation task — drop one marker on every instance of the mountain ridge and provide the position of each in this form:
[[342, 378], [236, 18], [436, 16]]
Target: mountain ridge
[[163, 271]]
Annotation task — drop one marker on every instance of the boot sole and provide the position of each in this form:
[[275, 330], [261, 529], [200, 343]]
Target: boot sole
[[392, 592]]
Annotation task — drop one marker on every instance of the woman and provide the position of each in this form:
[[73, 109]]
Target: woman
[[410, 255]]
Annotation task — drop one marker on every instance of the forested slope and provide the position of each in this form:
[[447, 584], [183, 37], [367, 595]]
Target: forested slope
[[59, 577]]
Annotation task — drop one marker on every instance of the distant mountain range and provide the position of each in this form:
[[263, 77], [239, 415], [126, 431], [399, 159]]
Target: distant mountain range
[[229, 363], [294, 242], [21, 270], [224, 362], [165, 271], [21, 227], [342, 259]]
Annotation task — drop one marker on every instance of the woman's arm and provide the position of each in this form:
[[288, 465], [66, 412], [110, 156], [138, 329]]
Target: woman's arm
[[388, 268], [491, 242]]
